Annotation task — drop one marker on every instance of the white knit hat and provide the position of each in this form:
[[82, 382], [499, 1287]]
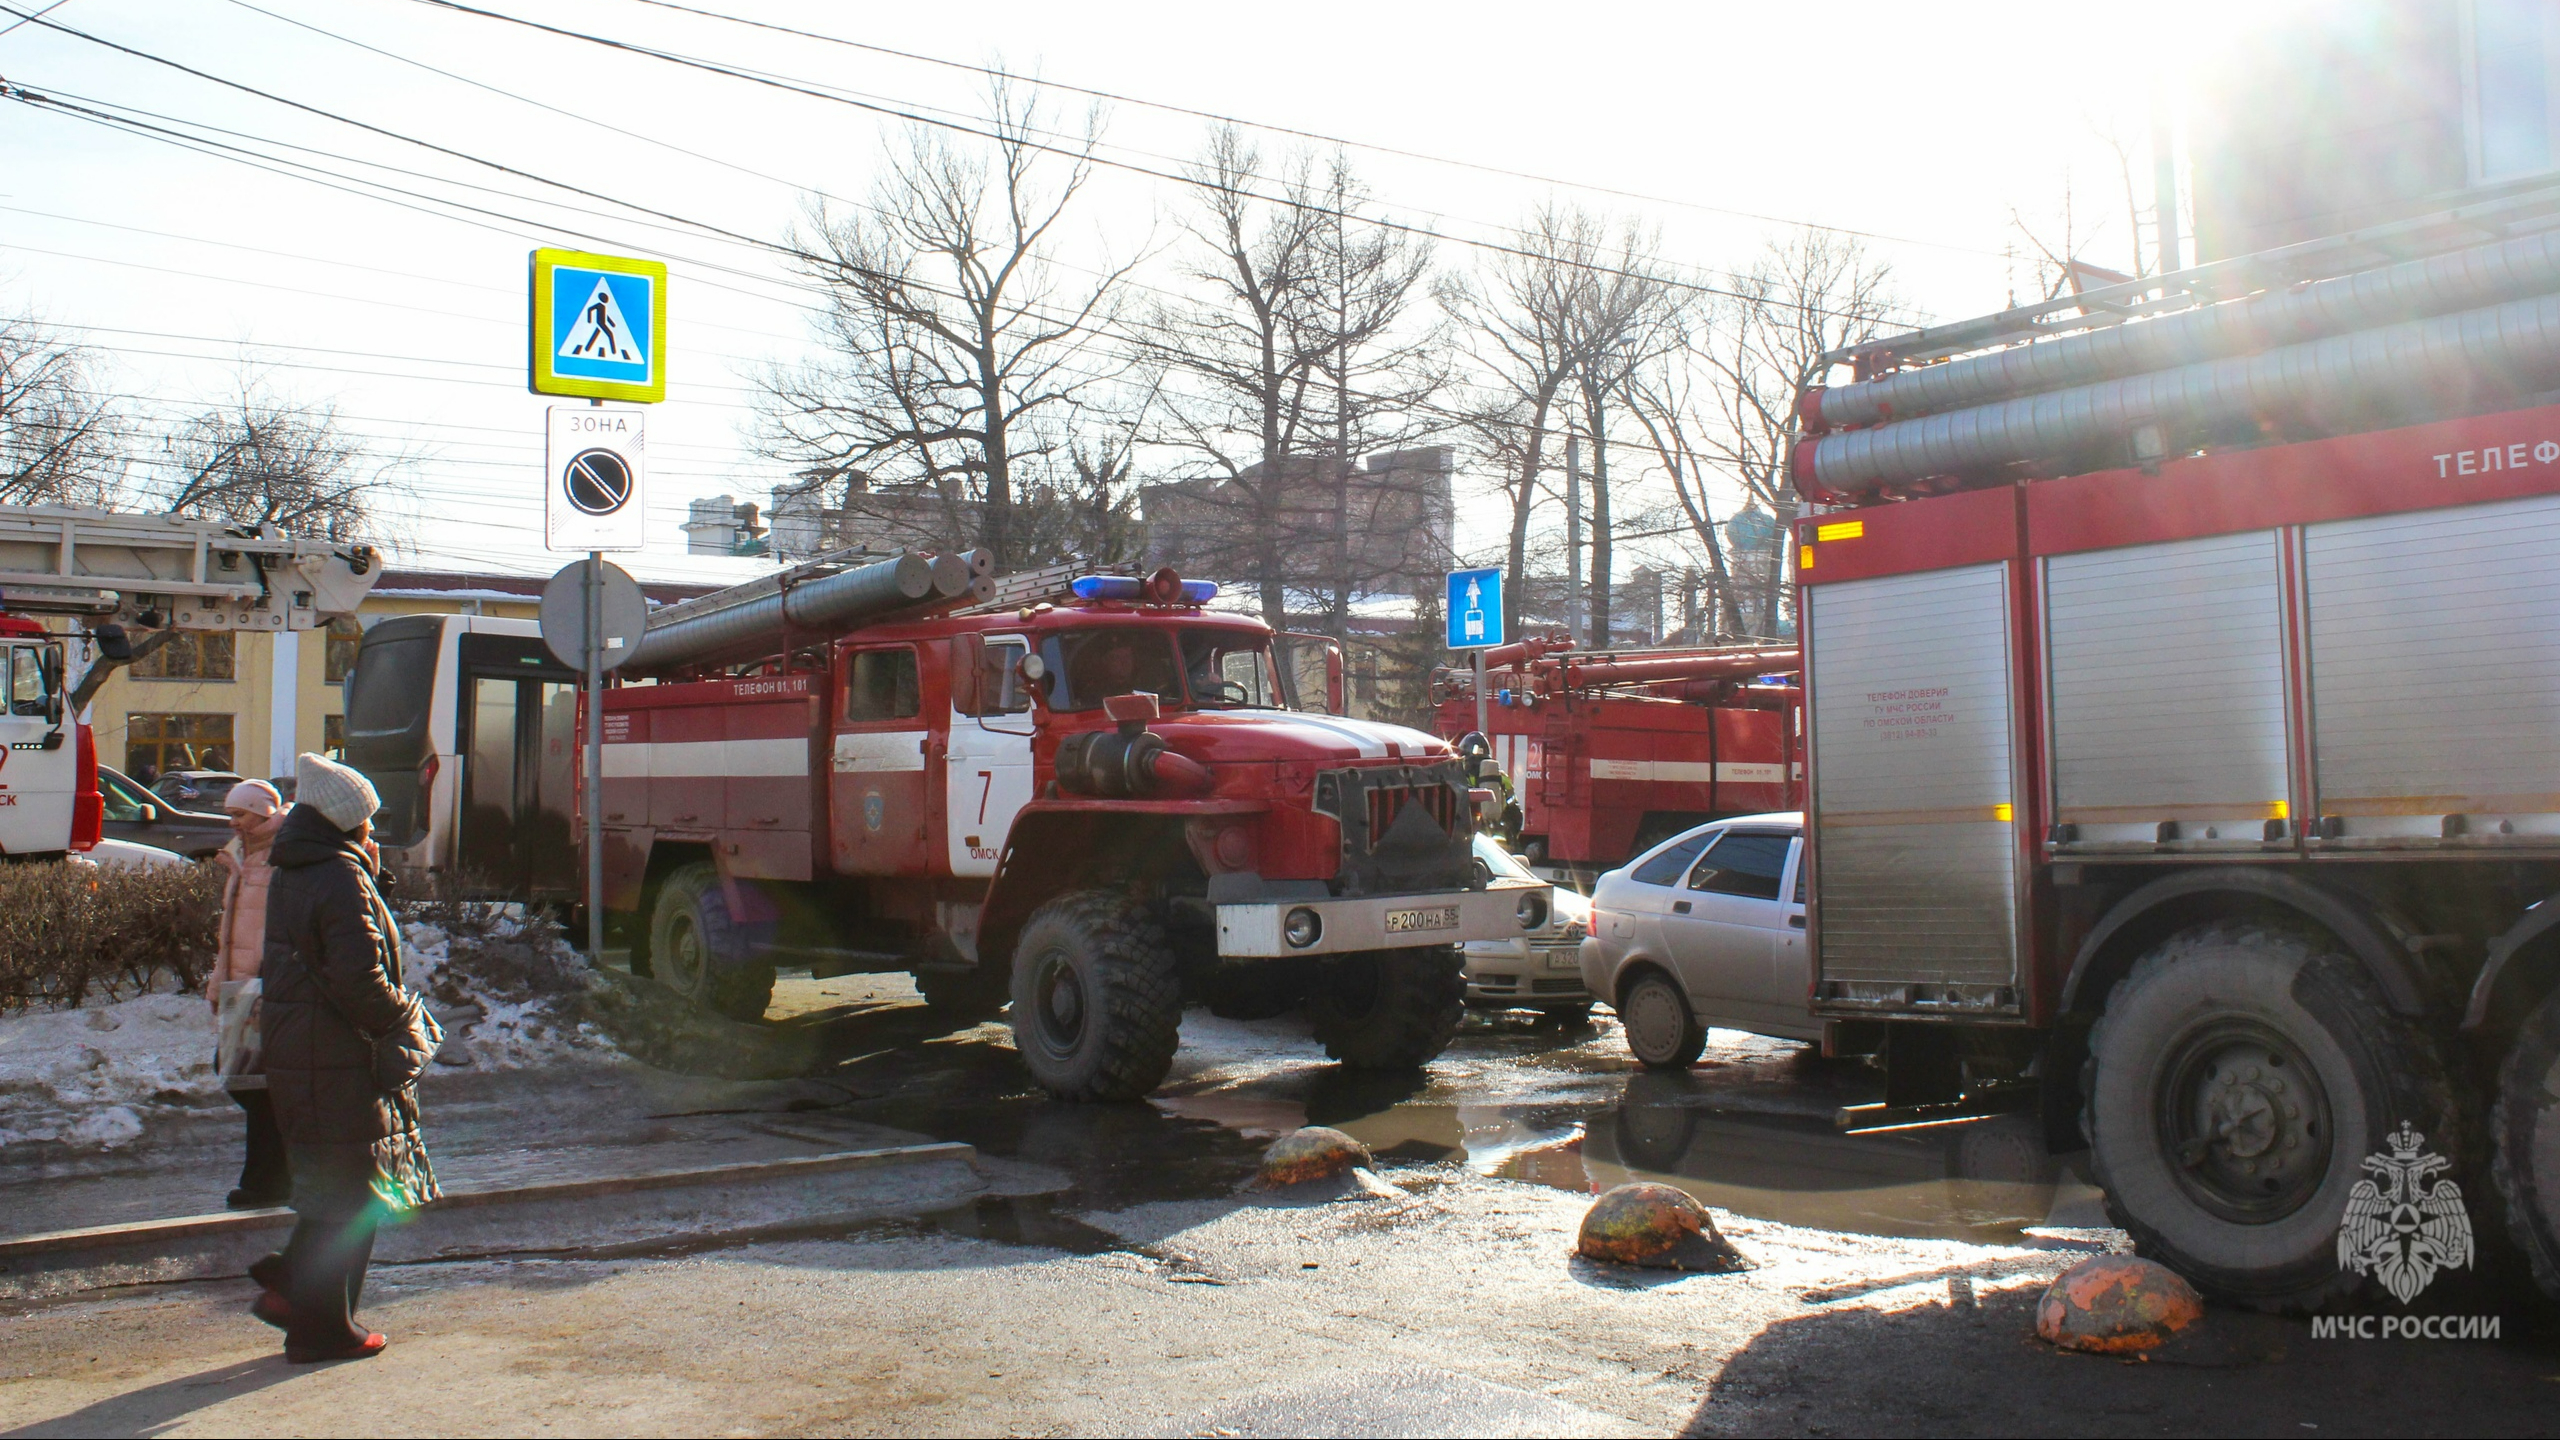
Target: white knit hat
[[342, 795]]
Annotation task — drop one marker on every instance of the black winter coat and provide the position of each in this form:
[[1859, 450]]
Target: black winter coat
[[332, 986]]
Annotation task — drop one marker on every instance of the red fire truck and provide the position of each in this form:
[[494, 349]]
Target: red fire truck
[[1611, 751], [1092, 803], [2183, 677]]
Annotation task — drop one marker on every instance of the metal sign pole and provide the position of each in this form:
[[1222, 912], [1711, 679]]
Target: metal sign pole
[[595, 755], [1484, 715]]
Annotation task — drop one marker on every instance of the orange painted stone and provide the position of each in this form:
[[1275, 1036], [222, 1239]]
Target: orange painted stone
[[2117, 1305], [1655, 1226], [1314, 1153]]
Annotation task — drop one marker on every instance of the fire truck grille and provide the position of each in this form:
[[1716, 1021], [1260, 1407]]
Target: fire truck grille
[[1388, 806], [1405, 828]]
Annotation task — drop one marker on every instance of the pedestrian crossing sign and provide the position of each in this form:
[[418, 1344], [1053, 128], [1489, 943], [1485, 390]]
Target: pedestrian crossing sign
[[599, 326]]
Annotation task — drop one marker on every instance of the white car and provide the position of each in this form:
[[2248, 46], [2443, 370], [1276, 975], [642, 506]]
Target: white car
[[1705, 929], [1541, 969], [131, 854]]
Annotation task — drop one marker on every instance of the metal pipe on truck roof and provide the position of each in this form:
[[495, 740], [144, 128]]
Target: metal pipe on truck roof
[[950, 575], [1581, 671], [2518, 342], [2412, 289], [755, 626]]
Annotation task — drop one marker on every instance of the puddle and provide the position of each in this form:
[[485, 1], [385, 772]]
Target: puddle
[[1750, 1131]]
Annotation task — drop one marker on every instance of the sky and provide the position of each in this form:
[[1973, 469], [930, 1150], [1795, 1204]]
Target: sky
[[1926, 129]]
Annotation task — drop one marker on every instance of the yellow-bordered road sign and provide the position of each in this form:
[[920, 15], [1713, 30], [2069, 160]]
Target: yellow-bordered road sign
[[599, 326]]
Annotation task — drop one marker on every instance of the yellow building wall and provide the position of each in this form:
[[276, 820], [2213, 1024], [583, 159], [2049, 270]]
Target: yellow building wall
[[249, 697]]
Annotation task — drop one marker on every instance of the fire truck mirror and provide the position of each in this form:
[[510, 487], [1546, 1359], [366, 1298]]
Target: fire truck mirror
[[49, 659]]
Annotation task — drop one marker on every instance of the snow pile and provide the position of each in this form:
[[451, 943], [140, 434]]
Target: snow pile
[[510, 995], [88, 1076], [508, 990]]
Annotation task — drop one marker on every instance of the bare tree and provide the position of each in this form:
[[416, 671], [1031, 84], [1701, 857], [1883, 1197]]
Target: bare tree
[[1081, 497], [949, 336], [1664, 400], [263, 461], [1533, 323], [1243, 356], [1294, 356], [1385, 373], [57, 440], [1812, 292], [1628, 317]]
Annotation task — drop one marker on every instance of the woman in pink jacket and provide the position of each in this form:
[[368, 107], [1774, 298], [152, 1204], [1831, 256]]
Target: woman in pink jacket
[[256, 812]]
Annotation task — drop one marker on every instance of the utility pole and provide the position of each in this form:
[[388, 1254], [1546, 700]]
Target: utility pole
[[1603, 558], [2164, 175], [1573, 534]]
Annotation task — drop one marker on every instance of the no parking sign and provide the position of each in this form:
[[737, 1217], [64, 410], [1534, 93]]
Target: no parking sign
[[597, 458]]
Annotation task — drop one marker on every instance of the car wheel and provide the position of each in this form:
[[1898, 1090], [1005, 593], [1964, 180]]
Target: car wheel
[[1661, 1029]]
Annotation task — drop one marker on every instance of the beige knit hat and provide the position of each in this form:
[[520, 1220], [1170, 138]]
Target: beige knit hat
[[342, 795], [254, 797]]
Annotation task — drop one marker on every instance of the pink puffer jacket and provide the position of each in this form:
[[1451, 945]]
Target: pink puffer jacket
[[244, 904]]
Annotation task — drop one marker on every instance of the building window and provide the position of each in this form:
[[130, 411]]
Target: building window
[[345, 636], [333, 736], [154, 745], [208, 655]]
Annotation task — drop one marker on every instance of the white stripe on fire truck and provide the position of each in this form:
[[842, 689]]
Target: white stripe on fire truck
[[1371, 747], [879, 751], [702, 759], [1687, 772]]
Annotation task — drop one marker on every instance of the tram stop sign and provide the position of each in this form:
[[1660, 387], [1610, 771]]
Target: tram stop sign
[[564, 615], [1475, 609]]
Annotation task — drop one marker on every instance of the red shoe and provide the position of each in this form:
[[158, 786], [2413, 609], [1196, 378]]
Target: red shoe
[[272, 1308], [365, 1349]]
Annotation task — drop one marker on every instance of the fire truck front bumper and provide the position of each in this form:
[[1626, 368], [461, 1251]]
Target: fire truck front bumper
[[1506, 910]]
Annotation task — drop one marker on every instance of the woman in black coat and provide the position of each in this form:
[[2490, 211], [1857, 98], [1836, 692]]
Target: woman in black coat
[[344, 1044]]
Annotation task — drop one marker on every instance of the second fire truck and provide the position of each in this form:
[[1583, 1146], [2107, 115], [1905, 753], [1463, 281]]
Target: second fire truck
[[2183, 699]]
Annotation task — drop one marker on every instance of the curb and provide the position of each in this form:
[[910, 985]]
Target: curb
[[847, 1187]]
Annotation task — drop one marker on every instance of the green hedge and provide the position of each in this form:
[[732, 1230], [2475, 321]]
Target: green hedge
[[69, 931]]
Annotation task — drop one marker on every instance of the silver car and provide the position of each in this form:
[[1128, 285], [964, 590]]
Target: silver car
[[1541, 969], [1705, 929]]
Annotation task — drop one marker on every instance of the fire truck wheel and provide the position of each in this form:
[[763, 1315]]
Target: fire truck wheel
[[1662, 1031], [2237, 1081], [1097, 1001], [971, 994], [1389, 1009], [2527, 1130], [697, 951]]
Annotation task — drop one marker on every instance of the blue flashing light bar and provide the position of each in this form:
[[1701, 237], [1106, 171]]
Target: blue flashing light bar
[[1131, 588]]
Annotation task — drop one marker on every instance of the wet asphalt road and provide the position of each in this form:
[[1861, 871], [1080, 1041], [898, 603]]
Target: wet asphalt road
[[1126, 1286]]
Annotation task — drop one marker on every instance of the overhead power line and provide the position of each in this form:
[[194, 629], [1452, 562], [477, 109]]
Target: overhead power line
[[1119, 97]]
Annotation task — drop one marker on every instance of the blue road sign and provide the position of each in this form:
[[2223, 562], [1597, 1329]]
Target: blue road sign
[[599, 326], [1475, 609]]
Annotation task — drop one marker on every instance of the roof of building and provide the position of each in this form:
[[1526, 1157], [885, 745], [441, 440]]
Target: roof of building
[[663, 578]]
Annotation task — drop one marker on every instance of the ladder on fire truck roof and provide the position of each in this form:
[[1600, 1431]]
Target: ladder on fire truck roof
[[198, 574]]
